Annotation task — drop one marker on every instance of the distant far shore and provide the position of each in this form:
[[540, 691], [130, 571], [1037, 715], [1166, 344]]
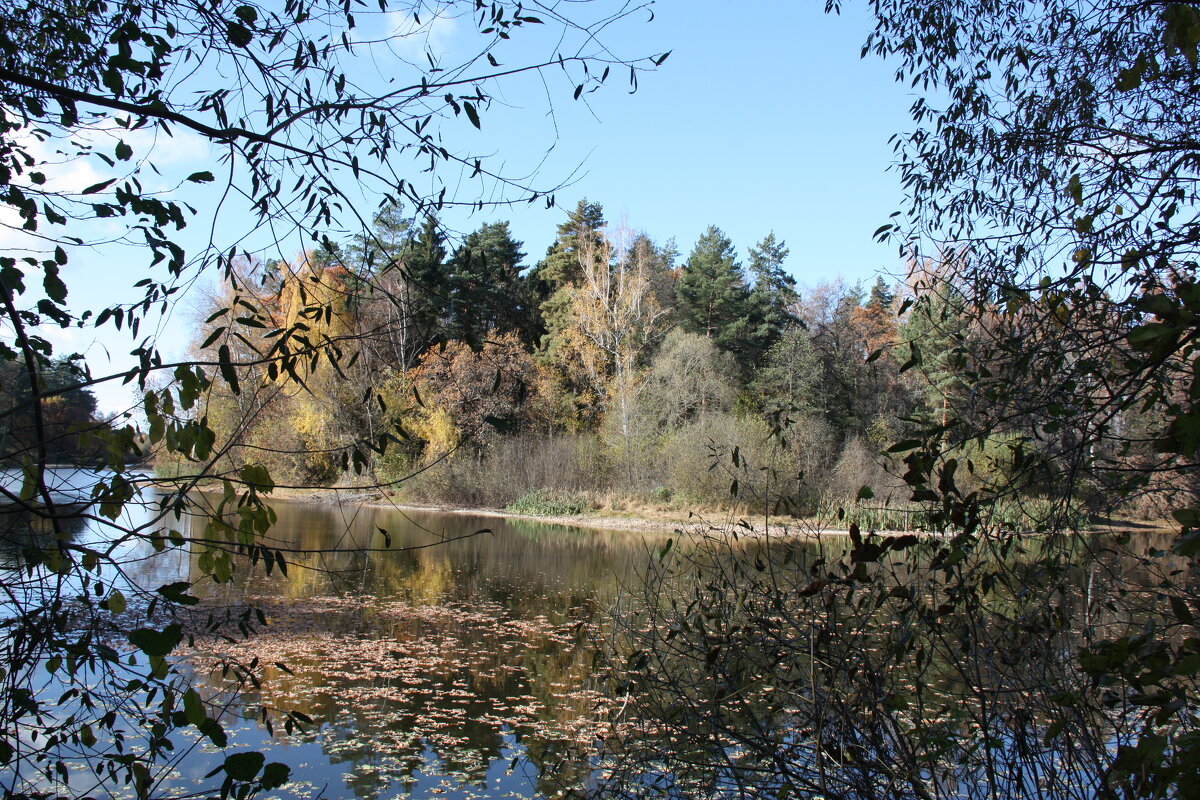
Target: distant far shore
[[598, 520], [658, 521]]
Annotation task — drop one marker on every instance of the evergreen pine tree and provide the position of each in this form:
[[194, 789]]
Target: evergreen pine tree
[[712, 296], [485, 284], [382, 249], [661, 274], [399, 278], [932, 346], [561, 264], [427, 272], [552, 282], [840, 393], [881, 296]]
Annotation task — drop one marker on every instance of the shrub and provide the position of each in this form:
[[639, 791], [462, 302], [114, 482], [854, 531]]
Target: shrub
[[699, 459], [510, 467], [861, 464], [542, 503]]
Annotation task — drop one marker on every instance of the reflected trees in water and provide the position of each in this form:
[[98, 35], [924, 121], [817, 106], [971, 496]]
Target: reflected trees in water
[[886, 667]]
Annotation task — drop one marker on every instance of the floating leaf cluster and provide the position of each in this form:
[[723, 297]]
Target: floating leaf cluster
[[400, 693]]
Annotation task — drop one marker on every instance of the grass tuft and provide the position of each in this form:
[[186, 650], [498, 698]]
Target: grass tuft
[[544, 503]]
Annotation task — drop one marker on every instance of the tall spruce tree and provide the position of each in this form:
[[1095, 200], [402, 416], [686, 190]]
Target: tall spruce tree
[[773, 298], [426, 269], [881, 296], [829, 314], [383, 246], [553, 281], [713, 299], [401, 283], [661, 264], [561, 264], [934, 348]]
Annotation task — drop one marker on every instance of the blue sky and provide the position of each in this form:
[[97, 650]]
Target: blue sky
[[764, 118]]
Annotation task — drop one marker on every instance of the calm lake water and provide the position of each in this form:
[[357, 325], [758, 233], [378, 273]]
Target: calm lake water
[[434, 654], [429, 663]]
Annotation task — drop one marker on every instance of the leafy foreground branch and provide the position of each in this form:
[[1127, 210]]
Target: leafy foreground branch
[[1051, 221], [287, 125]]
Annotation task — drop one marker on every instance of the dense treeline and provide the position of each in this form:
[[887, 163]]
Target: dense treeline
[[615, 367], [59, 425]]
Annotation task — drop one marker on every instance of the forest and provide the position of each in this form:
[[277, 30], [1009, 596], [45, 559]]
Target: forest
[[70, 428], [615, 372]]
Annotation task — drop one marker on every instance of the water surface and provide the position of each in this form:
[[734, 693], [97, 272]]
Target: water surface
[[432, 654]]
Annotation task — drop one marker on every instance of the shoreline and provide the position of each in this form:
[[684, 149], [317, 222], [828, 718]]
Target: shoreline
[[598, 520], [694, 522], [376, 499]]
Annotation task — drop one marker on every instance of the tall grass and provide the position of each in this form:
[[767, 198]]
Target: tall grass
[[845, 511], [545, 503]]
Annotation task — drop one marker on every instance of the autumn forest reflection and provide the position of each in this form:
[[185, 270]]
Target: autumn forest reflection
[[422, 653], [433, 653]]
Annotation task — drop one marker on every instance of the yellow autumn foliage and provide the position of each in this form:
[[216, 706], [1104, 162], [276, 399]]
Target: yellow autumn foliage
[[436, 427]]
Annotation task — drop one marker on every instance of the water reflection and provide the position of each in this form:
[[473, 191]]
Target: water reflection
[[436, 557], [433, 652], [447, 654], [435, 663], [931, 673]]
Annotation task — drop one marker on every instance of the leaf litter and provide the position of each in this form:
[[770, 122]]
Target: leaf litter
[[416, 699]]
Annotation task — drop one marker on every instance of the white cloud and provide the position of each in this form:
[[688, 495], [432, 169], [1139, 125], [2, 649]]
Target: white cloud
[[62, 174], [96, 276], [434, 34], [69, 170]]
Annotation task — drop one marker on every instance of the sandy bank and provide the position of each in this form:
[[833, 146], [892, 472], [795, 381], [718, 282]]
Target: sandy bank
[[663, 521]]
